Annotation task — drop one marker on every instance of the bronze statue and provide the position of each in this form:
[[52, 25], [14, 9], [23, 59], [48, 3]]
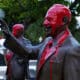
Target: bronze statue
[[59, 54]]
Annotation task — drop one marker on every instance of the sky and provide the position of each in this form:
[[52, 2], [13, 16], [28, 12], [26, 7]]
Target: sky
[[70, 0]]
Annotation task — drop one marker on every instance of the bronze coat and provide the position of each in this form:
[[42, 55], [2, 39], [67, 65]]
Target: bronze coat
[[65, 66]]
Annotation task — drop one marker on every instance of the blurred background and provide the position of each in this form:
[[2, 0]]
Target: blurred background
[[31, 13]]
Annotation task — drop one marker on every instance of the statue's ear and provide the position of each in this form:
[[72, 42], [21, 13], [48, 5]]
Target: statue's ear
[[65, 20]]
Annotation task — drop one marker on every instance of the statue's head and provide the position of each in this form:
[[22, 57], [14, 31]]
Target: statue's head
[[57, 17], [17, 30]]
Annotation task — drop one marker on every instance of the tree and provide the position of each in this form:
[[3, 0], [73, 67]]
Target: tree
[[31, 13]]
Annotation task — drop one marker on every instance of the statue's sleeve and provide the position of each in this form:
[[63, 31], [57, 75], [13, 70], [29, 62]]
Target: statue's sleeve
[[13, 44], [25, 51]]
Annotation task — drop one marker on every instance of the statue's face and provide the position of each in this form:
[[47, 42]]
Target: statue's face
[[50, 21], [54, 18]]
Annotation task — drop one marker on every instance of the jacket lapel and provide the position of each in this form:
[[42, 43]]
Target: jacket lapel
[[46, 54], [48, 50]]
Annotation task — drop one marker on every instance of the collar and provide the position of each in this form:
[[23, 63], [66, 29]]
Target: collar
[[61, 37]]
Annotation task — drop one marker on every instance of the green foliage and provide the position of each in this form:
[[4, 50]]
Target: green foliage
[[18, 10], [76, 35], [35, 30], [72, 25], [31, 13]]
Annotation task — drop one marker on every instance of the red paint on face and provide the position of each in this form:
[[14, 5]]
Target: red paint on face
[[54, 17], [17, 30], [50, 21]]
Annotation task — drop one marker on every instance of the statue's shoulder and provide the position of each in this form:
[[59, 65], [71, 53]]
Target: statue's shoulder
[[48, 38]]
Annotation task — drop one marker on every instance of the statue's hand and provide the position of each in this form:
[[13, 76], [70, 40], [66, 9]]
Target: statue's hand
[[3, 25], [4, 28]]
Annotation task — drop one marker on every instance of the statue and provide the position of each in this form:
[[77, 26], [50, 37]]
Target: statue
[[59, 53]]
